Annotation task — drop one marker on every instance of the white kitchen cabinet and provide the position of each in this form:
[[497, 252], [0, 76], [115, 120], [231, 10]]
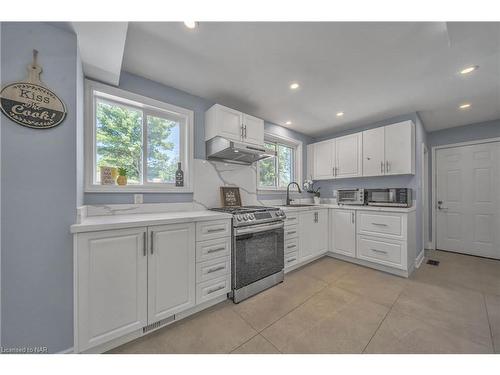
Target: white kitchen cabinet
[[110, 285], [324, 160], [348, 159], [233, 125], [313, 236], [343, 232], [400, 148], [171, 270], [374, 152]]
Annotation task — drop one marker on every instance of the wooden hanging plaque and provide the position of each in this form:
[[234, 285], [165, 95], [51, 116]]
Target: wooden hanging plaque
[[30, 103]]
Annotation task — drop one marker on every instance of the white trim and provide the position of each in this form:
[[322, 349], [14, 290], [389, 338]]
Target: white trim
[[148, 105], [419, 259], [425, 193], [434, 179], [297, 163]]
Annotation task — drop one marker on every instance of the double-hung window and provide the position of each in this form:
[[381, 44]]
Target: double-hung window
[[276, 173], [145, 138]]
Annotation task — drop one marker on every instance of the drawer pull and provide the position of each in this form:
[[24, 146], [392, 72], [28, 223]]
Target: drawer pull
[[291, 218], [381, 224], [216, 250], [216, 230], [291, 260], [290, 246], [291, 232], [210, 291], [215, 269], [379, 251]]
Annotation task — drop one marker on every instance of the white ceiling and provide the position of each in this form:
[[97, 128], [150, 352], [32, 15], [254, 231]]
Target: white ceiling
[[371, 71]]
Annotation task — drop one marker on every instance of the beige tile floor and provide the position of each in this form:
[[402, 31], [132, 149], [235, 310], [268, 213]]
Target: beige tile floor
[[331, 306]]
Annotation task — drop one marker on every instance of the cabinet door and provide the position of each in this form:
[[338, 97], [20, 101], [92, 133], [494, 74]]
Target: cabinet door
[[171, 270], [306, 235], [321, 232], [111, 285], [324, 160], [400, 148], [373, 152], [254, 130], [229, 123], [348, 156], [344, 232]]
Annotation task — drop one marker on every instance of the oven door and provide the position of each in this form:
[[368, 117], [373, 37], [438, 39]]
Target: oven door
[[258, 252]]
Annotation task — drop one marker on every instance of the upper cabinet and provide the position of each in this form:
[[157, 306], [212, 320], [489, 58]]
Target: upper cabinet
[[233, 125], [338, 158], [387, 150]]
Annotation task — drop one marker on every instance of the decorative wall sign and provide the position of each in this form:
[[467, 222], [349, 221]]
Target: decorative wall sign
[[30, 103], [230, 196]]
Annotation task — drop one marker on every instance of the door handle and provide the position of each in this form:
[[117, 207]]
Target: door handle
[[440, 206]]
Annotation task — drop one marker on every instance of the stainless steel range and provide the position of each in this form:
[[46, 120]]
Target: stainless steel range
[[257, 252]]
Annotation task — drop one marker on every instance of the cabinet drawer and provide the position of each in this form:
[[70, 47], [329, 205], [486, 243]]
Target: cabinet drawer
[[208, 230], [291, 231], [211, 269], [381, 223], [291, 259], [389, 253], [213, 288], [291, 245], [291, 218], [211, 249]]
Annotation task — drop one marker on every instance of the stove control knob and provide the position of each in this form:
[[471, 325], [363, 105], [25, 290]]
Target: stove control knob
[[238, 217], [245, 217], [251, 216]]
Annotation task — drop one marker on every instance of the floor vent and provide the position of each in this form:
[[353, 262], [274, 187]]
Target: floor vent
[[433, 262], [158, 324]]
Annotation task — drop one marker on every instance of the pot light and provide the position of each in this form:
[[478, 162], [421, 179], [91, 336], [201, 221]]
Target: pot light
[[464, 106], [294, 86], [340, 114], [288, 123], [190, 24], [469, 69]]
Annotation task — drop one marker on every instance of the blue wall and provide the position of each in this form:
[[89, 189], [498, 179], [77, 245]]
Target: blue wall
[[414, 182], [198, 105], [39, 196]]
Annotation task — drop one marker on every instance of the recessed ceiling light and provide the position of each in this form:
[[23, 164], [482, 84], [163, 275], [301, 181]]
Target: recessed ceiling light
[[190, 24], [288, 123], [340, 114], [294, 86], [464, 106], [469, 69]]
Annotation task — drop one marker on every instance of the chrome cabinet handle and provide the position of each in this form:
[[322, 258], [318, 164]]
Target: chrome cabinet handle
[[245, 131], [381, 167], [211, 270], [290, 260], [379, 251], [387, 166], [381, 224], [215, 230], [209, 251], [152, 242], [144, 238], [210, 291], [290, 246], [352, 217], [291, 232], [242, 131]]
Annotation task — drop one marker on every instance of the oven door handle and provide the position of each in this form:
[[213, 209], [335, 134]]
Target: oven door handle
[[258, 228]]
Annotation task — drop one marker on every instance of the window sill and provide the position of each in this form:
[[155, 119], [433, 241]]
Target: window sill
[[136, 189]]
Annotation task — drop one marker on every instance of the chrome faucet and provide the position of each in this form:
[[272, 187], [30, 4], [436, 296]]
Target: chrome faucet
[[288, 200]]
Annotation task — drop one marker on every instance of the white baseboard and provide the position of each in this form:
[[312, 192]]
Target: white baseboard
[[419, 259], [430, 246], [66, 351]]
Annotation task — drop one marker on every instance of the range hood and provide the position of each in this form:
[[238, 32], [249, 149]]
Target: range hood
[[222, 149]]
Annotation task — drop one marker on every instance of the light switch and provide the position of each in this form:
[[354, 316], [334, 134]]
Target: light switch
[[138, 198]]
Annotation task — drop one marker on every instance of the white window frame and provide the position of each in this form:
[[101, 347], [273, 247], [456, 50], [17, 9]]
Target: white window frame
[[149, 107], [297, 162]]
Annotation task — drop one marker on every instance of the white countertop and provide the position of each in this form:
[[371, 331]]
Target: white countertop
[[348, 207], [105, 222]]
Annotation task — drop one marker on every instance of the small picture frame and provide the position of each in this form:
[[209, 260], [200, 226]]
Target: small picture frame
[[230, 196]]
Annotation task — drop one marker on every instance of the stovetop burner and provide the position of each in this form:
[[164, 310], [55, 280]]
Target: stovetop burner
[[252, 215]]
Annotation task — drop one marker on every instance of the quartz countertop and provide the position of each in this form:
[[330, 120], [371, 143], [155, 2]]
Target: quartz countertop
[[348, 207], [105, 222]]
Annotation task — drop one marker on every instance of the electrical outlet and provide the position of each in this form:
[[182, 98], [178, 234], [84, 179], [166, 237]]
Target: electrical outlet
[[138, 198]]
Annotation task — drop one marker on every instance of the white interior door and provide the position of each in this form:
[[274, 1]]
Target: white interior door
[[468, 195]]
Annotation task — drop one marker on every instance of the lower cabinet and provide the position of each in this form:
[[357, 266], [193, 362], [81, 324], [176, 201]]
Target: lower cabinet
[[111, 285], [343, 232], [313, 234], [171, 270]]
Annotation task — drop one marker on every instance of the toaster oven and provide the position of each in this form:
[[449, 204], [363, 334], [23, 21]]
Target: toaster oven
[[351, 196]]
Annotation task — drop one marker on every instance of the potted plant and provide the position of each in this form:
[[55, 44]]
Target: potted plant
[[122, 177], [309, 187]]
